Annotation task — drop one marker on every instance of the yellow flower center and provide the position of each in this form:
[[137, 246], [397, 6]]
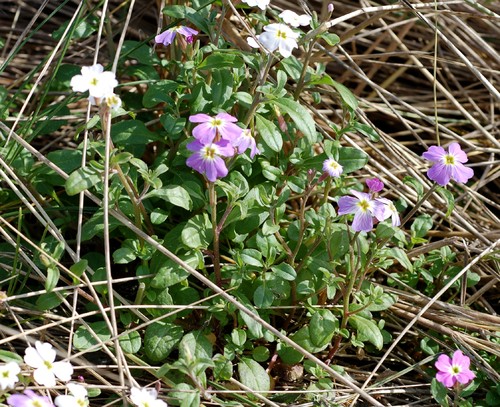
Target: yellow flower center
[[455, 370], [48, 364], [94, 81], [216, 122], [281, 34], [209, 153], [364, 205], [449, 159]]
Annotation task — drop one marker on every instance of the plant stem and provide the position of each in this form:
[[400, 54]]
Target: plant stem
[[216, 254]]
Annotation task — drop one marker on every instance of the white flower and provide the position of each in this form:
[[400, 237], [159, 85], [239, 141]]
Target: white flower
[[262, 4], [78, 397], [390, 211], [8, 375], [145, 398], [276, 37], [292, 18], [46, 370], [332, 168], [95, 80]]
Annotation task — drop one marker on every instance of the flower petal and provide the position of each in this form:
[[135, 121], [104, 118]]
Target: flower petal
[[347, 204], [434, 153], [457, 152], [362, 222]]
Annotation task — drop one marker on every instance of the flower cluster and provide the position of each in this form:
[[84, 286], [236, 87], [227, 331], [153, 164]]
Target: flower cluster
[[448, 164], [366, 207], [99, 84], [276, 36], [42, 359], [454, 370], [215, 139]]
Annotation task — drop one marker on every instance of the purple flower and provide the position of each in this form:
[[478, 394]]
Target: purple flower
[[390, 211], [332, 168], [214, 128], [375, 185], [448, 165], [167, 37], [29, 399], [207, 158], [246, 141], [364, 209], [453, 370]]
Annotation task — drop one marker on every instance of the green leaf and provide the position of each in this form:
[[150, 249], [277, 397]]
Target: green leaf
[[254, 328], [261, 354], [124, 255], [221, 60], [346, 95], [222, 86], [439, 392], [367, 131], [84, 340], [330, 38], [6, 357], [159, 93], [251, 257], [78, 269], [82, 179], [421, 225], [253, 375], [269, 133], [285, 271], [300, 116], [401, 256], [223, 369], [49, 301], [168, 272], [195, 345], [263, 297], [84, 29], [160, 339], [132, 132], [419, 188], [188, 13], [197, 234], [449, 198], [352, 159], [174, 194], [322, 328], [53, 275], [131, 342], [367, 331]]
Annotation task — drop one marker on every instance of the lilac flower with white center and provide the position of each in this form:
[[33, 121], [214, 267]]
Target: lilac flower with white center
[[207, 158], [448, 165], [332, 168], [145, 398], [276, 37], [95, 80], [213, 129], [8, 375], [246, 141], [262, 4], [375, 185], [364, 209], [454, 370], [294, 19], [29, 399], [42, 358], [167, 37], [390, 211], [77, 398]]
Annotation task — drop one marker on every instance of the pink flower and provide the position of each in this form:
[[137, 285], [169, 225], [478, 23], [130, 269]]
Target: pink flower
[[375, 185], [214, 128], [207, 158], [29, 399], [364, 208], [246, 141], [167, 37], [448, 165], [453, 370]]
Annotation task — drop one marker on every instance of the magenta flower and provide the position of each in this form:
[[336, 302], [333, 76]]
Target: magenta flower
[[29, 399], [364, 208], [167, 37], [246, 141], [390, 211], [448, 165], [375, 185], [332, 168], [207, 158], [453, 370], [214, 128]]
